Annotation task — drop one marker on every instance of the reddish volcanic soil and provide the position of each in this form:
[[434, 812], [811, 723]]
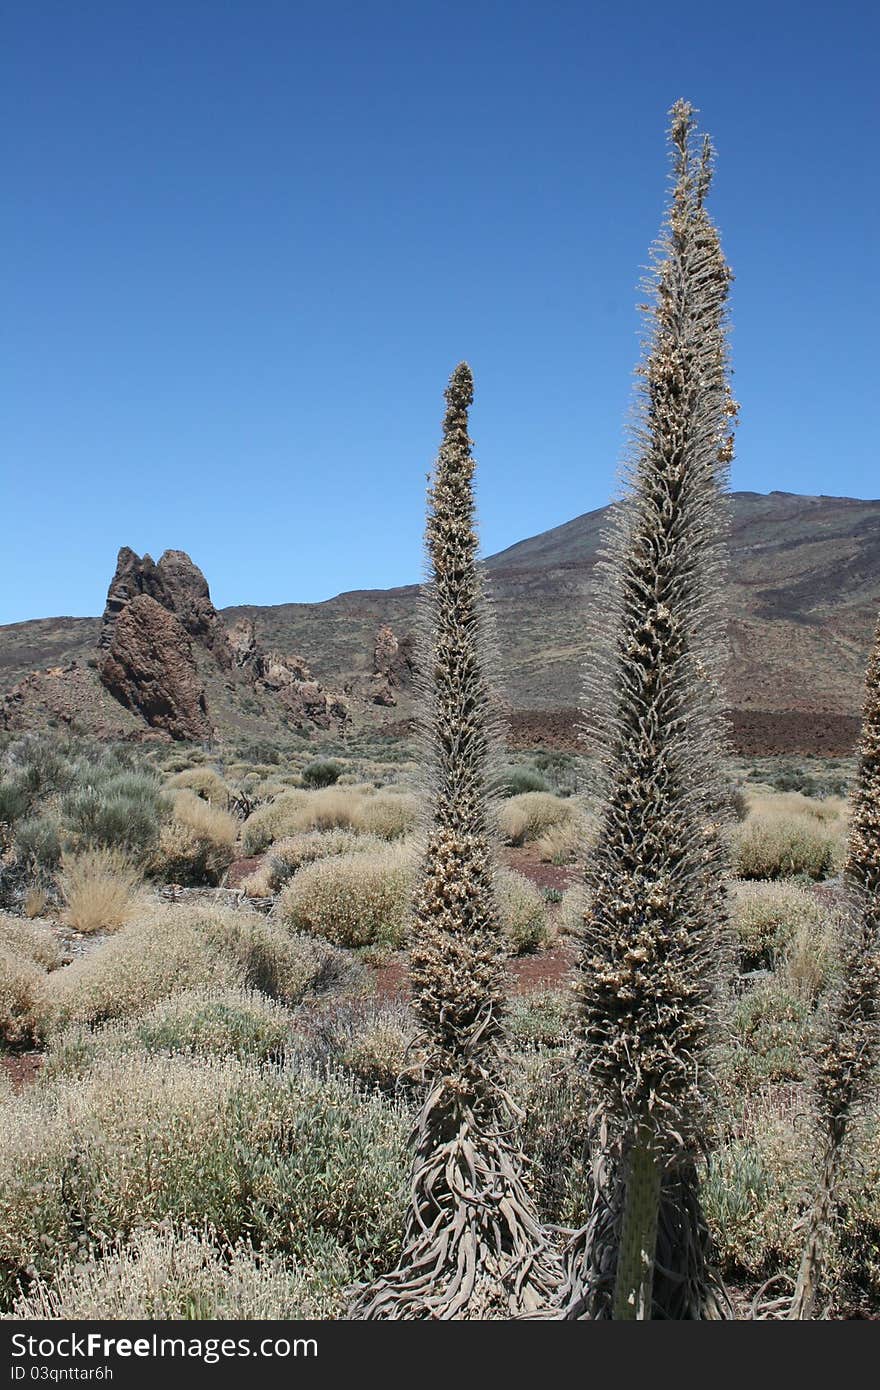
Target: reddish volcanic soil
[[755, 733], [21, 1067]]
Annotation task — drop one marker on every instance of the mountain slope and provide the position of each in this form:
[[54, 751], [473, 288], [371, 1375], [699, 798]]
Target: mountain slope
[[805, 590]]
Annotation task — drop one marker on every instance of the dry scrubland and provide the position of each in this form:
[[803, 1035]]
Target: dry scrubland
[[218, 1127]]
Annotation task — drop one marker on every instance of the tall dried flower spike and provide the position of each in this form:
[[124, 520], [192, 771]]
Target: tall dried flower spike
[[849, 1046], [473, 1244], [654, 934]]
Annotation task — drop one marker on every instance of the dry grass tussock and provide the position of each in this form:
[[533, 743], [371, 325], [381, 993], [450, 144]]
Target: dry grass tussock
[[329, 808], [531, 815], [365, 899], [32, 941], [205, 782], [197, 844], [766, 918], [27, 953], [186, 946], [167, 1274], [566, 841], [778, 842], [22, 999], [288, 856], [99, 887], [354, 899]]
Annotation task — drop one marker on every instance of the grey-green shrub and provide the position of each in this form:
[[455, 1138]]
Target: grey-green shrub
[[282, 1157], [38, 841], [236, 1022], [766, 916], [322, 772], [165, 1274]]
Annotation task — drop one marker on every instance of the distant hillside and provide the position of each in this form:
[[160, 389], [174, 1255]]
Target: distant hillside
[[805, 591]]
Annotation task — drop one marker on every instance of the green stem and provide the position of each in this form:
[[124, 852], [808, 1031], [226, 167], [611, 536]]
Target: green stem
[[634, 1280]]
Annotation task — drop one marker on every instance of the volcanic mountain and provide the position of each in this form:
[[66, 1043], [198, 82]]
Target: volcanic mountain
[[804, 587]]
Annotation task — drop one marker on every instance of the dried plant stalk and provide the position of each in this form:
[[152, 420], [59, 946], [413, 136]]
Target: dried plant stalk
[[473, 1246], [654, 935]]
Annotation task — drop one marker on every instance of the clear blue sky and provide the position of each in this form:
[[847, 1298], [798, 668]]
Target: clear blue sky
[[245, 243]]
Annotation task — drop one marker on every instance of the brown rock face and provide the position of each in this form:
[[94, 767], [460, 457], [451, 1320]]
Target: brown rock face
[[393, 666], [177, 585], [149, 668]]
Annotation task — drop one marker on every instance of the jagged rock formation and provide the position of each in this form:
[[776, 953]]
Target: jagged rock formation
[[150, 668], [177, 585], [393, 666], [161, 638]]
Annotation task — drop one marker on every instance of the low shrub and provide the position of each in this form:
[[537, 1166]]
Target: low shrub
[[183, 947], [164, 1274], [123, 812], [766, 917], [15, 801], [204, 782], [272, 821], [517, 780], [387, 815], [522, 912], [38, 842], [353, 899], [22, 998], [322, 772], [282, 1157], [771, 1033], [197, 845], [545, 1018], [553, 1093], [374, 1042], [34, 943], [241, 1023], [777, 846]]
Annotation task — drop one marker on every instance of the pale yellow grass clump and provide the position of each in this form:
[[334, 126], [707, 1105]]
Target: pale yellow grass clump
[[99, 887], [388, 814], [532, 814], [812, 957], [163, 1274], [290, 854], [353, 899], [778, 845], [33, 942], [329, 808], [567, 840], [205, 782], [187, 946], [197, 844], [22, 998], [365, 899], [36, 900], [522, 912]]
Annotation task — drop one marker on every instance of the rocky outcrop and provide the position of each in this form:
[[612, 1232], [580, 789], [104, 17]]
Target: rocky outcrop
[[149, 667], [393, 666], [179, 586]]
